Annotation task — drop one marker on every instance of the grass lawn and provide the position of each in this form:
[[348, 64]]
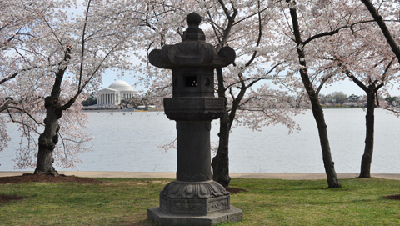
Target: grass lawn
[[266, 202]]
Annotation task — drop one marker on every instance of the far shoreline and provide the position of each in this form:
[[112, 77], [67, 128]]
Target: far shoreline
[[172, 175]]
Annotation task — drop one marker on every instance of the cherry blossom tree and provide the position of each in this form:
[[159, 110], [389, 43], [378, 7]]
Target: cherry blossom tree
[[61, 61], [362, 55], [368, 61], [102, 42], [370, 86], [347, 45], [307, 29], [18, 38], [16, 27]]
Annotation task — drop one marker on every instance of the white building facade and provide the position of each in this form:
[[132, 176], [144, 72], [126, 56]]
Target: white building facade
[[115, 93]]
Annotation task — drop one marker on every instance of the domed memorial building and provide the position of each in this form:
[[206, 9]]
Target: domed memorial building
[[116, 92]]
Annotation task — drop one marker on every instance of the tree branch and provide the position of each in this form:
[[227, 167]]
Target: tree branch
[[324, 80], [385, 74], [352, 77], [259, 35], [231, 20], [382, 25]]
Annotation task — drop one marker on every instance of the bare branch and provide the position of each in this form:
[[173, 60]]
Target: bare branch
[[382, 25]]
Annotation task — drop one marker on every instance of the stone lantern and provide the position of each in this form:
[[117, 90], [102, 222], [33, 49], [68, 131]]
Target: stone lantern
[[194, 198]]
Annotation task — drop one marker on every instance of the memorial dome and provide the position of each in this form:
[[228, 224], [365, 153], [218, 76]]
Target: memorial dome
[[121, 86], [115, 93]]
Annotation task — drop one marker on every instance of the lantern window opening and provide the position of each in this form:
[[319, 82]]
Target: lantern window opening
[[191, 81]]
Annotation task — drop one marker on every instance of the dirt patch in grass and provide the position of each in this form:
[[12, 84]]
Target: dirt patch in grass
[[235, 190], [9, 198], [27, 178], [396, 197]]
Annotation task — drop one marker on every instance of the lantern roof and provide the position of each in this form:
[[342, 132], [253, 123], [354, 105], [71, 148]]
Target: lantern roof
[[192, 51]]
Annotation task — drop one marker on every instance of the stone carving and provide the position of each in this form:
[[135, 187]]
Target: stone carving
[[218, 205], [178, 189], [194, 198]]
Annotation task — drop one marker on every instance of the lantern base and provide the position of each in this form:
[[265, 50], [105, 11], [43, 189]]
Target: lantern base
[[194, 198], [194, 203], [161, 218]]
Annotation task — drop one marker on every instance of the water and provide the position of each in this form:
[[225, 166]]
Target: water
[[129, 142]]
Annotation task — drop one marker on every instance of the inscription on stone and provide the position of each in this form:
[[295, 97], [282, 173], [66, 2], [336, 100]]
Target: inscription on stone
[[188, 206], [218, 205], [214, 103], [193, 103]]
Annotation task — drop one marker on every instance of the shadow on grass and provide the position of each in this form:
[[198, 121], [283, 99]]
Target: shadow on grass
[[395, 197], [132, 222]]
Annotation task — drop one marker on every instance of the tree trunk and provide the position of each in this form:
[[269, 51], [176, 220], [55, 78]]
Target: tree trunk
[[220, 163], [318, 114], [369, 139], [48, 139]]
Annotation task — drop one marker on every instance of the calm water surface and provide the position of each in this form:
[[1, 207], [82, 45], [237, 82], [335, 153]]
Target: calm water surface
[[130, 142]]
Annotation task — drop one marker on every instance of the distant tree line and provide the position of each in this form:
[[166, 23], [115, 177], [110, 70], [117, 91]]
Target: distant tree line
[[340, 99]]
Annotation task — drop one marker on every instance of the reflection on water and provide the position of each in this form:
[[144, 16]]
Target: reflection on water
[[129, 142]]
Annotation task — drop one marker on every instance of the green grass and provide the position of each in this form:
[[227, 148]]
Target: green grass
[[267, 202]]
